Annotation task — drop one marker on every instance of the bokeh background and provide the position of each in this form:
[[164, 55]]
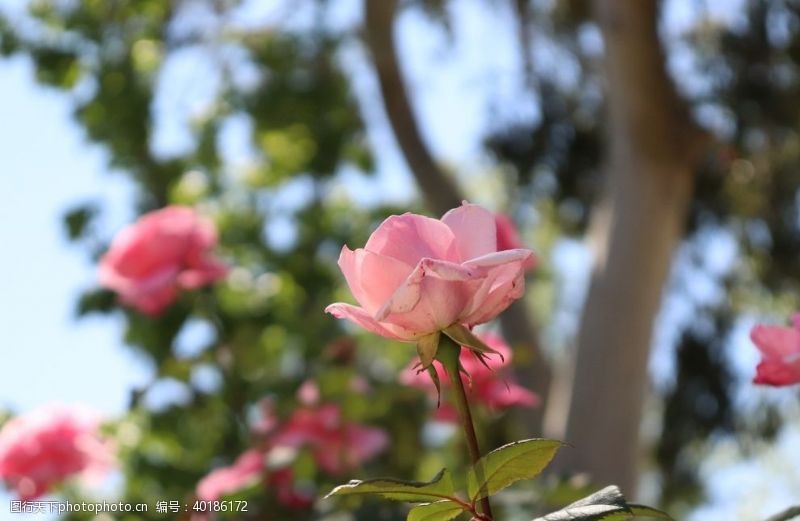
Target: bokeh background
[[654, 173]]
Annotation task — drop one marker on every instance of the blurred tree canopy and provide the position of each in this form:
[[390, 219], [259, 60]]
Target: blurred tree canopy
[[284, 85]]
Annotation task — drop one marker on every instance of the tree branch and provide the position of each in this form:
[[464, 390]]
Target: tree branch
[[438, 189], [786, 515]]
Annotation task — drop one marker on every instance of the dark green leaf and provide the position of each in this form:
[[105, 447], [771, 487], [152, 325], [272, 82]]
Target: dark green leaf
[[77, 219], [607, 504], [510, 463], [438, 511], [440, 487]]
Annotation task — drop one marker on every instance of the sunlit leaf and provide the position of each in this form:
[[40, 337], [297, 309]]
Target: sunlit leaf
[[438, 511], [500, 468], [607, 504], [440, 487]]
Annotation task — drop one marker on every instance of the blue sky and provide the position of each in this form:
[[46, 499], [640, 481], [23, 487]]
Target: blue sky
[[46, 168]]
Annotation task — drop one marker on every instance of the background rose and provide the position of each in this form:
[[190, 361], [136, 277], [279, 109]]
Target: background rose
[[246, 470], [41, 449], [337, 445], [418, 275], [508, 237], [164, 251], [491, 386], [780, 353]]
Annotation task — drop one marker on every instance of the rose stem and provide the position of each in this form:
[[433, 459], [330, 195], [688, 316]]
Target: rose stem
[[448, 354]]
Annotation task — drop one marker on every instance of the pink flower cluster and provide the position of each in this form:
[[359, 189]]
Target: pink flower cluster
[[336, 445], [780, 353], [418, 275], [165, 251], [489, 386], [43, 448]]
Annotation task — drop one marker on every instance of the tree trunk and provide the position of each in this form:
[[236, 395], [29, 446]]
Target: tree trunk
[[634, 231], [438, 189]]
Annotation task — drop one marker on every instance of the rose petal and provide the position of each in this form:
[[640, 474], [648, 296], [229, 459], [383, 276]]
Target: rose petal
[[474, 229], [432, 297], [410, 238], [360, 317], [382, 274], [503, 285]]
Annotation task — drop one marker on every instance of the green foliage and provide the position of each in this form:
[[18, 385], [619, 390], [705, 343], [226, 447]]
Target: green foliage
[[498, 469], [78, 219], [607, 504], [438, 511], [440, 487]]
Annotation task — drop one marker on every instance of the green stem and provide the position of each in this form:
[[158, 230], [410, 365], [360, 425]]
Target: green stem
[[448, 354]]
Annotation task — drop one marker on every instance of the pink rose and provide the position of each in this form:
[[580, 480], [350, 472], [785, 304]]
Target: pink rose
[[41, 449], [489, 386], [780, 353], [246, 470], [417, 276], [508, 237], [163, 252], [337, 445], [249, 469]]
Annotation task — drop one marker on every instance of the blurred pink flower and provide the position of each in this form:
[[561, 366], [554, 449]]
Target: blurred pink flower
[[163, 252], [250, 469], [418, 275], [42, 448], [289, 495], [508, 237], [780, 353], [246, 470], [337, 445], [489, 386], [308, 393]]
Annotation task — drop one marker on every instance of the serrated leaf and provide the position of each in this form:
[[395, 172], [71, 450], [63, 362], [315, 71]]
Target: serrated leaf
[[588, 513], [438, 511], [611, 495], [645, 511], [440, 487], [510, 463], [607, 504]]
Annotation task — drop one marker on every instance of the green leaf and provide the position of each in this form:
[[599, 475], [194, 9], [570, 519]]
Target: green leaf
[[500, 468], [438, 511], [440, 487], [78, 219], [607, 504], [588, 513]]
